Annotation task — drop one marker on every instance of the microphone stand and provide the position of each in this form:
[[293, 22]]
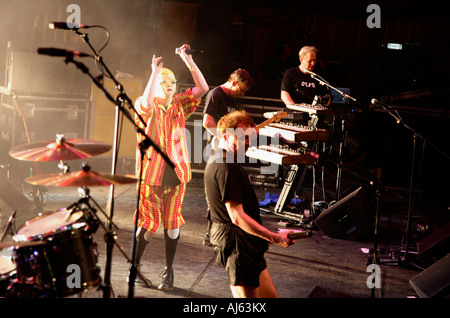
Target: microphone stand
[[343, 132], [148, 142], [123, 99], [416, 135]]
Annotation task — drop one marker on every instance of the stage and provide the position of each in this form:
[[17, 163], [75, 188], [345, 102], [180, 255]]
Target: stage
[[315, 267]]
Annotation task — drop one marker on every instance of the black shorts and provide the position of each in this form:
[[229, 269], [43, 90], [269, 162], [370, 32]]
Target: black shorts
[[242, 256], [244, 271]]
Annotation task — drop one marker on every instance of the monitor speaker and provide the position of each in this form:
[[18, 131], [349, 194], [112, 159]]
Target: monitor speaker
[[435, 245], [433, 281], [350, 218]]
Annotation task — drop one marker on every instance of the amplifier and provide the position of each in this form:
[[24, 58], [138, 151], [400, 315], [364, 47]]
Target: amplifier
[[32, 74], [41, 118]]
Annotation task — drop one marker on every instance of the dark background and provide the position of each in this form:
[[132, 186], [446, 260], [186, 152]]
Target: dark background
[[247, 34]]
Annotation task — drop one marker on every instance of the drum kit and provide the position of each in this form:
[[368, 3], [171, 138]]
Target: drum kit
[[54, 254]]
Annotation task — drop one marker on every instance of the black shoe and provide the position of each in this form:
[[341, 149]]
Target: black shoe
[[138, 281], [167, 280]]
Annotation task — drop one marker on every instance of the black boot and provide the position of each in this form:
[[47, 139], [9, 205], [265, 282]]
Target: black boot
[[167, 279], [141, 244], [167, 275]]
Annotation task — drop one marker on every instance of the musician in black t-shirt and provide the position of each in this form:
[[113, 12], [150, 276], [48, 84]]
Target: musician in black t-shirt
[[237, 234], [298, 86], [220, 101]]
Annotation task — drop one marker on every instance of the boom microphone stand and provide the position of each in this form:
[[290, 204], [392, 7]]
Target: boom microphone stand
[[120, 101], [416, 135], [341, 143], [148, 142]]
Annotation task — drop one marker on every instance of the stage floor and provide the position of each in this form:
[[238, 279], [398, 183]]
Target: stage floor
[[318, 266]]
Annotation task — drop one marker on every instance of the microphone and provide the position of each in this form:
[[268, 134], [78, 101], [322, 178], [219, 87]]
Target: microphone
[[310, 73], [299, 235], [60, 52], [375, 101], [188, 51], [67, 26]]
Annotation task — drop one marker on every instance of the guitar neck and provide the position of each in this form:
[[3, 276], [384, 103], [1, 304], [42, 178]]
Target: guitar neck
[[276, 117]]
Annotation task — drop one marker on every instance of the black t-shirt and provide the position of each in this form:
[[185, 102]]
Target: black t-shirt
[[218, 104], [302, 87], [229, 182]]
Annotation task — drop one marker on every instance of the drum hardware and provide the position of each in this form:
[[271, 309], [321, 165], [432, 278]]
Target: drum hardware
[[58, 150], [120, 102], [43, 249], [110, 235], [9, 224], [21, 244]]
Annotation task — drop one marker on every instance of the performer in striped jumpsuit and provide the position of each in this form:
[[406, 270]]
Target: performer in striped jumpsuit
[[162, 188]]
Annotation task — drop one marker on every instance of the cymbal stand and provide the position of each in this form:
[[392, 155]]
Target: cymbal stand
[[110, 236]]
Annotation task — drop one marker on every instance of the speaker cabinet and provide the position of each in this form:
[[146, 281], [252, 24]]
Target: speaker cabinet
[[103, 117], [435, 245], [31, 74], [433, 281], [348, 219]]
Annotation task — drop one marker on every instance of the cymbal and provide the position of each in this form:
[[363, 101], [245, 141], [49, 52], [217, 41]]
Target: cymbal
[[21, 244], [84, 177], [60, 149]]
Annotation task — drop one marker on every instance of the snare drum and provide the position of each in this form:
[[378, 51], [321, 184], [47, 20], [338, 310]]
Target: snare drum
[[66, 263]]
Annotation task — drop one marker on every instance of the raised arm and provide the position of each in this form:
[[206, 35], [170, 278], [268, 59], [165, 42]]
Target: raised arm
[[150, 89], [201, 86]]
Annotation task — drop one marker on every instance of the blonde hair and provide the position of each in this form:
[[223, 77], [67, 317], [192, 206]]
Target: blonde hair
[[166, 72]]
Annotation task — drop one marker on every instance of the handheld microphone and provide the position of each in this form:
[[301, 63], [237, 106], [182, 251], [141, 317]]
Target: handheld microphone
[[60, 52], [188, 51], [67, 26], [299, 235]]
